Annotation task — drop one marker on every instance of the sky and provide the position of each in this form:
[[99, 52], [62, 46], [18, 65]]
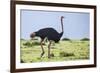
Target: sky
[[76, 24]]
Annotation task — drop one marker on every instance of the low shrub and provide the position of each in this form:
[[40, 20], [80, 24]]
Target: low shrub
[[35, 43], [66, 39], [29, 44], [65, 54], [85, 39], [22, 61], [52, 55]]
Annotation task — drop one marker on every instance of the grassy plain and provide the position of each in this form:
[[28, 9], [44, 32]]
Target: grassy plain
[[62, 51]]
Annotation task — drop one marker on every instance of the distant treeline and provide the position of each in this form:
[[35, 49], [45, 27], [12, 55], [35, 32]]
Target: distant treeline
[[64, 39], [83, 39]]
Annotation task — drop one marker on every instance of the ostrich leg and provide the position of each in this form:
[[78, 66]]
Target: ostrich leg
[[42, 48], [49, 49]]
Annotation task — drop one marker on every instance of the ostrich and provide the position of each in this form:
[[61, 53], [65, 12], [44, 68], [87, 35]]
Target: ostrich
[[51, 34]]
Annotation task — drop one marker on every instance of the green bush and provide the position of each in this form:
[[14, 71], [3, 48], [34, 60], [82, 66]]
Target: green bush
[[52, 55], [66, 39], [65, 54], [85, 39], [29, 44], [22, 61], [35, 43]]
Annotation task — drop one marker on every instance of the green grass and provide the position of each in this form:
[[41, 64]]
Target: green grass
[[63, 51]]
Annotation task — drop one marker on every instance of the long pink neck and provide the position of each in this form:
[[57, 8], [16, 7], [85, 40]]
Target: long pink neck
[[62, 24]]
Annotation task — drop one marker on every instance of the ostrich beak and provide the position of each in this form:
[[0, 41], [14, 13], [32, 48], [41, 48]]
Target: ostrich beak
[[32, 35]]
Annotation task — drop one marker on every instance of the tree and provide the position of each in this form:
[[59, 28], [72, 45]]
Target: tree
[[66, 39], [85, 39]]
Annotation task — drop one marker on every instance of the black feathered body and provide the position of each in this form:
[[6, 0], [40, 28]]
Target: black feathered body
[[50, 34]]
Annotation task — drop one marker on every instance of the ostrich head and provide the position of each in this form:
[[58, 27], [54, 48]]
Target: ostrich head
[[32, 35], [62, 17]]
